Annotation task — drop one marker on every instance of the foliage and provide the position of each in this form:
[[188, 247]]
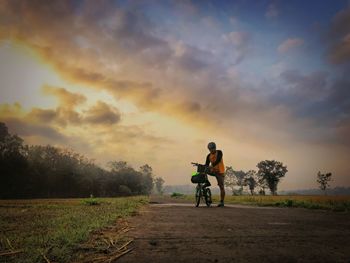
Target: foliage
[[50, 172], [175, 194], [271, 172], [251, 180], [91, 201], [235, 178], [323, 180], [159, 182]]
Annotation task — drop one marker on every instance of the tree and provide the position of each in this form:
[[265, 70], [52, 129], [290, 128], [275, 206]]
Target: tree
[[47, 171], [147, 174], [271, 171], [262, 184], [159, 182], [13, 165], [3, 131], [230, 179], [235, 178], [323, 180], [241, 180], [251, 180]]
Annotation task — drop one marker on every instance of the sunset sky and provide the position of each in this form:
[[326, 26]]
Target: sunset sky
[[154, 81]]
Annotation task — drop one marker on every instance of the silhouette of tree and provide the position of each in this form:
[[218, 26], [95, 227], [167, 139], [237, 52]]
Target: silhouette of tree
[[251, 180], [271, 172], [323, 180]]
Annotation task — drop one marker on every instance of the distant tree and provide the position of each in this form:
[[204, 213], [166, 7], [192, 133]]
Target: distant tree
[[241, 180], [230, 179], [159, 182], [262, 184], [124, 190], [148, 181], [146, 170], [323, 180], [13, 165], [118, 166], [271, 171], [3, 131], [235, 178], [251, 180], [48, 172]]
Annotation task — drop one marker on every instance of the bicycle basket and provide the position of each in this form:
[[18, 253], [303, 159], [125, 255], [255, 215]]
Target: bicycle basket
[[198, 178], [201, 168]]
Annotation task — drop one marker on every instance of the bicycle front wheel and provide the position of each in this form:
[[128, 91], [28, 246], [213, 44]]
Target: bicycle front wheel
[[207, 196], [198, 195]]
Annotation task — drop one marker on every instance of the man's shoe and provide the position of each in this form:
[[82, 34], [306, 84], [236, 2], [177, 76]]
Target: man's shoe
[[221, 204]]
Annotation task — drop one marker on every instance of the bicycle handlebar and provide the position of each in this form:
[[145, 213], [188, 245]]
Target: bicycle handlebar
[[207, 168]]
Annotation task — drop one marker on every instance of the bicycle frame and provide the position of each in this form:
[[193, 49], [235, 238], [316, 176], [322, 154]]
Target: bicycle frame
[[202, 190]]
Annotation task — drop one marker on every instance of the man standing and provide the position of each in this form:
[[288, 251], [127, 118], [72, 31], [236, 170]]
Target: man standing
[[218, 168]]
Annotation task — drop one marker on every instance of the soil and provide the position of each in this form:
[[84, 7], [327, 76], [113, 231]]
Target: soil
[[180, 232]]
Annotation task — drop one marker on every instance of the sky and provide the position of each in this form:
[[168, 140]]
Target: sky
[[155, 81]]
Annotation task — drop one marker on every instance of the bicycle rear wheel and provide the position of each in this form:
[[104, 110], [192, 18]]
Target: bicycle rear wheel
[[207, 197], [198, 195]]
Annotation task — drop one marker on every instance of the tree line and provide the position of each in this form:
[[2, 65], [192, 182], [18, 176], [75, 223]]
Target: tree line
[[268, 176], [50, 172]]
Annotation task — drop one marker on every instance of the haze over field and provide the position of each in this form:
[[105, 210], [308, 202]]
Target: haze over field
[[154, 81]]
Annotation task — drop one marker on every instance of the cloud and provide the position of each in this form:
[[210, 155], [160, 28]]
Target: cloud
[[339, 38], [25, 128], [312, 86], [102, 113], [289, 44], [340, 52], [238, 43], [42, 115], [234, 20], [238, 39], [66, 98], [119, 52], [271, 11], [341, 23]]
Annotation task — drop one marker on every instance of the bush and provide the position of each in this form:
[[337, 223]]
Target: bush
[[91, 201], [175, 194]]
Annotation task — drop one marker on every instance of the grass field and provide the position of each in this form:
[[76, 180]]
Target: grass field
[[50, 229], [335, 203]]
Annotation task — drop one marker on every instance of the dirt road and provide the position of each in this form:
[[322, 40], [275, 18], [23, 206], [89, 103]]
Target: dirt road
[[183, 233]]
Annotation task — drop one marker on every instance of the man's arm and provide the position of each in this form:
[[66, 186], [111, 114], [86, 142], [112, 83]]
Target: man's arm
[[218, 158]]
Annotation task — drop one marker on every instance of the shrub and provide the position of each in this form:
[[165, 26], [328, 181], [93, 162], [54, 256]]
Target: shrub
[[175, 194]]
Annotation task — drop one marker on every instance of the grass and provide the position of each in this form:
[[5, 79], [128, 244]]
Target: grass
[[53, 228], [334, 203]]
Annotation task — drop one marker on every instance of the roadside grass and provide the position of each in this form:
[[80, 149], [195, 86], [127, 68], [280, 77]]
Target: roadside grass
[[50, 229], [334, 203]]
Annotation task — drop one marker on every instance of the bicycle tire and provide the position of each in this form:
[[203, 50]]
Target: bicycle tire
[[198, 195], [207, 197]]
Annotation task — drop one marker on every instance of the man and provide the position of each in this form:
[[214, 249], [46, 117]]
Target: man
[[218, 168]]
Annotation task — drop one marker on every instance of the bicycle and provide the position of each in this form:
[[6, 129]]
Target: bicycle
[[201, 178]]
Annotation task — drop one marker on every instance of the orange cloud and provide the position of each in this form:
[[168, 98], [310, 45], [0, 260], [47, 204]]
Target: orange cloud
[[102, 113], [66, 98]]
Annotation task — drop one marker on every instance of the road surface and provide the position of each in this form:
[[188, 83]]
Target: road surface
[[182, 233]]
